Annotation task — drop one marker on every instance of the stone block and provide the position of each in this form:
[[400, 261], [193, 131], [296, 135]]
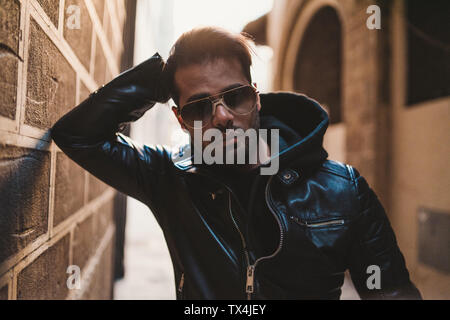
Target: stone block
[[99, 7], [84, 243], [8, 85], [96, 187], [51, 8], [80, 39], [69, 188], [51, 81], [100, 287], [104, 217], [24, 189], [10, 26], [84, 92], [107, 27], [108, 76], [46, 278], [9, 56], [100, 64]]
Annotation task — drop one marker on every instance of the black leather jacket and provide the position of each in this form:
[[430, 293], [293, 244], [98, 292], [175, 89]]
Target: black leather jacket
[[318, 217]]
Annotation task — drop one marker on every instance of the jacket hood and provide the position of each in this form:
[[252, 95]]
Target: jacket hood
[[302, 123]]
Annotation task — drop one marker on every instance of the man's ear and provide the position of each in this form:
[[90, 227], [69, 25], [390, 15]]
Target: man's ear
[[258, 103], [180, 121]]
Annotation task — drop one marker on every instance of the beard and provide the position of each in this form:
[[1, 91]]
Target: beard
[[232, 149], [241, 146]]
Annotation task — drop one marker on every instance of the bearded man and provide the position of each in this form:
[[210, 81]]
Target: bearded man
[[233, 232]]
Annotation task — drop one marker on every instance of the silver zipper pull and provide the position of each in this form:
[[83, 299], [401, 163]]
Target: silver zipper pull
[[250, 279]]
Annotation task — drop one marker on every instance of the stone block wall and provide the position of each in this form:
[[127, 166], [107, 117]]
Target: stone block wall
[[53, 214]]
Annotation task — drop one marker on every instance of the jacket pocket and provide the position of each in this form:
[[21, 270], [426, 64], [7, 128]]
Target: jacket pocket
[[318, 224]]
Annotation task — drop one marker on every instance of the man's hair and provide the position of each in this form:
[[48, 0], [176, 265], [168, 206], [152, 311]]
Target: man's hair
[[206, 44]]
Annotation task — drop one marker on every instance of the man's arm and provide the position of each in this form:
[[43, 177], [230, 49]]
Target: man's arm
[[375, 244], [89, 133]]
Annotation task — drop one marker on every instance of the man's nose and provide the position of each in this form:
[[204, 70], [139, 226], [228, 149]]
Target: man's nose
[[222, 117]]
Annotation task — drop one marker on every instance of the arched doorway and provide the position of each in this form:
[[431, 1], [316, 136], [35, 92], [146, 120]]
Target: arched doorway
[[313, 66], [317, 71]]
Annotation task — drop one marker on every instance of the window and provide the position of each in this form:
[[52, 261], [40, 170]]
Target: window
[[428, 36]]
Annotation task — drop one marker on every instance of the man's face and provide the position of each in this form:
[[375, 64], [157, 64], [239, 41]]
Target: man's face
[[209, 78]]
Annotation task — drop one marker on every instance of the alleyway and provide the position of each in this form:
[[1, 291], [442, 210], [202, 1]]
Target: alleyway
[[148, 269]]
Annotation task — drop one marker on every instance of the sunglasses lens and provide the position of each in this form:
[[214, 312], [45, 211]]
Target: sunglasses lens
[[241, 100], [197, 111]]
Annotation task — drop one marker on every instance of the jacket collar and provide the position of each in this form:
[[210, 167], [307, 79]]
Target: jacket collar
[[302, 122]]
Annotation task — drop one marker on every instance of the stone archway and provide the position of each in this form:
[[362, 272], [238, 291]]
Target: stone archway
[[313, 58], [313, 65], [317, 71]]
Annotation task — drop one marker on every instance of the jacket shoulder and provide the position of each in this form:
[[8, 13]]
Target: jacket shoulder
[[339, 169]]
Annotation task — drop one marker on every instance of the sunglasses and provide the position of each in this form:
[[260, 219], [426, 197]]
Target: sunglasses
[[239, 101]]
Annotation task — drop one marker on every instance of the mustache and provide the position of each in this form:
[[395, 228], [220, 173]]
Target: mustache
[[232, 132], [228, 126]]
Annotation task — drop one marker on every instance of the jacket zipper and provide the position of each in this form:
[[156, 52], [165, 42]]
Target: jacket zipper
[[317, 224], [251, 268], [244, 244], [249, 287]]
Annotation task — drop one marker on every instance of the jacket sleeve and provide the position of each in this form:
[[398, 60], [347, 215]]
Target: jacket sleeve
[[89, 134], [376, 245]]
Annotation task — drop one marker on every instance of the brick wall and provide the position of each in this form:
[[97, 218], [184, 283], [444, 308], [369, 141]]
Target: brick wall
[[53, 213]]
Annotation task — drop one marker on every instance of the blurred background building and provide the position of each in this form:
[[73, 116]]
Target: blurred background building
[[387, 92], [388, 95]]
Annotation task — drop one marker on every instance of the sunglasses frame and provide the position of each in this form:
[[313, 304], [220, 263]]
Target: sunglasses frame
[[218, 99]]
